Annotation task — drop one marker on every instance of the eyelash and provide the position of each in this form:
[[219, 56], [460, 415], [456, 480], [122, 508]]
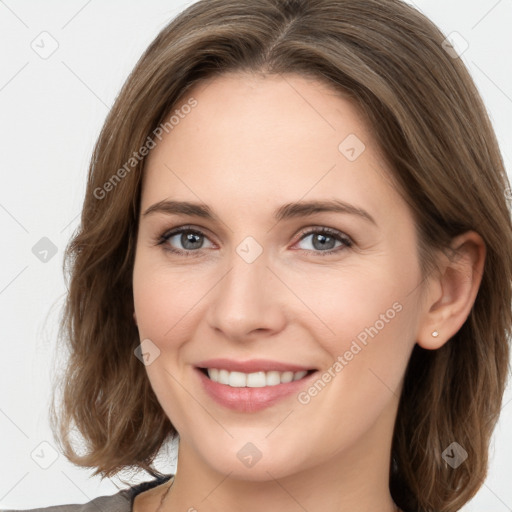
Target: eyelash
[[337, 235]]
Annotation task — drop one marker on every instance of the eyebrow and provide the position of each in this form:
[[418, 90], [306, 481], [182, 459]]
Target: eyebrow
[[286, 211]]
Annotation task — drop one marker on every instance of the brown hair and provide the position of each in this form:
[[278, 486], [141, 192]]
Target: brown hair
[[435, 134]]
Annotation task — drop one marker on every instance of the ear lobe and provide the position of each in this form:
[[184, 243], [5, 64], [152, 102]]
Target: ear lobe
[[453, 291]]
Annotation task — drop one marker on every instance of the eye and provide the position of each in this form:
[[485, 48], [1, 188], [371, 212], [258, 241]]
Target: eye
[[324, 240], [191, 241]]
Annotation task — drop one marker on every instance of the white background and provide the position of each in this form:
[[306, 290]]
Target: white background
[[51, 112]]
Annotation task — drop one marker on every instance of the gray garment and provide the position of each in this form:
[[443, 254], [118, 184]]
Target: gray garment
[[119, 502]]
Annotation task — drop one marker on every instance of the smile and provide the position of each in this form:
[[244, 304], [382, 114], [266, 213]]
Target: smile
[[259, 379], [251, 386]]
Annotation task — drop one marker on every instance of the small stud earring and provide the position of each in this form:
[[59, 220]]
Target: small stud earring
[[435, 334]]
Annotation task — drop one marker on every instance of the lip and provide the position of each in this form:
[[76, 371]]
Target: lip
[[251, 366], [251, 399]]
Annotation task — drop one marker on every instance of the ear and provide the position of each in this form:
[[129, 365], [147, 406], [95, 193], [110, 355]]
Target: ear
[[451, 294]]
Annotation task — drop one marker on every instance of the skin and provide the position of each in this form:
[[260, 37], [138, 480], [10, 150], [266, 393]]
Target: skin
[[252, 144]]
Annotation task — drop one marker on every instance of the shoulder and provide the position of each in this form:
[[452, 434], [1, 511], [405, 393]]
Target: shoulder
[[119, 502]]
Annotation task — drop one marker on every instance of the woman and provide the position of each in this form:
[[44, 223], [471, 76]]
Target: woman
[[295, 253]]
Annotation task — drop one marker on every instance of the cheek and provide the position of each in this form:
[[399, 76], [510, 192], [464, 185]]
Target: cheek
[[162, 306], [374, 335], [369, 315], [357, 303], [163, 299]]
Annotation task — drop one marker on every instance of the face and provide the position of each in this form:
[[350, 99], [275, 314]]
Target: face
[[277, 335]]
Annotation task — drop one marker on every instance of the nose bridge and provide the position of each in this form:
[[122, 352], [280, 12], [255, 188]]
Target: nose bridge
[[245, 299], [244, 285]]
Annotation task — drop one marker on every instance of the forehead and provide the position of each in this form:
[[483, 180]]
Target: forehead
[[270, 110], [262, 139]]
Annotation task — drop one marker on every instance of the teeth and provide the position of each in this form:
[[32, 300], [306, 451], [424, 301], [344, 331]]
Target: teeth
[[237, 379], [253, 380]]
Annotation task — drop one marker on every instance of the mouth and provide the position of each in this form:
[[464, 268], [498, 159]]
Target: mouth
[[251, 386], [258, 379]]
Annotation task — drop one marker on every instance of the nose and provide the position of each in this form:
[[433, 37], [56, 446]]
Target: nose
[[248, 301]]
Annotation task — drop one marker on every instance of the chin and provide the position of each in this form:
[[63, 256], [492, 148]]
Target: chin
[[253, 461]]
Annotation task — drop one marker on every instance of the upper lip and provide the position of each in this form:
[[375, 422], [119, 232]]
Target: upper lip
[[252, 365]]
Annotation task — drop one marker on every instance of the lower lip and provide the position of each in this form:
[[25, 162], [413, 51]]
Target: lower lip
[[250, 399]]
